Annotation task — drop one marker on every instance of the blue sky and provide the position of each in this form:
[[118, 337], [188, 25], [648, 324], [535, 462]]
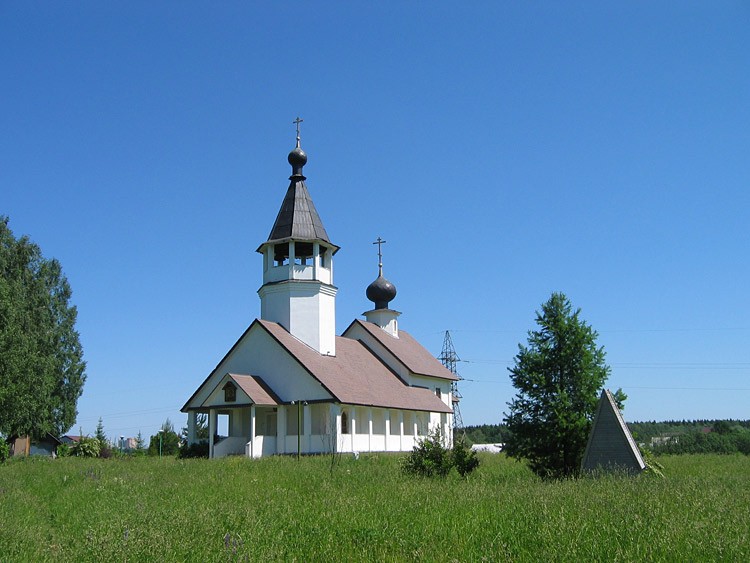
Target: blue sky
[[505, 150]]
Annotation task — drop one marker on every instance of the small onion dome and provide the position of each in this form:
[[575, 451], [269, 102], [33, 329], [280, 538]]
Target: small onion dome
[[381, 292], [297, 158]]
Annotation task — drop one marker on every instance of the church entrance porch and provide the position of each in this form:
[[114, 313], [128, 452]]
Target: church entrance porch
[[257, 430]]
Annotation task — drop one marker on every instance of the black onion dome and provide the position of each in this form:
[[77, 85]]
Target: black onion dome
[[297, 158], [381, 292]]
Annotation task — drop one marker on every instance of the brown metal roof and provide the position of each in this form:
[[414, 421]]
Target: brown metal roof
[[355, 375], [409, 352], [255, 388]]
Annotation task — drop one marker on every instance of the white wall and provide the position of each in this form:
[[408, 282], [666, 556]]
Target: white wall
[[259, 354]]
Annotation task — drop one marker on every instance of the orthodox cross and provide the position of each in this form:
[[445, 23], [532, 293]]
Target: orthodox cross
[[297, 122], [380, 242]]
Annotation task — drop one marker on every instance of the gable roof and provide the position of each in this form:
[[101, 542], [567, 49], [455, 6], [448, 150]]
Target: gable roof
[[408, 351], [298, 219], [355, 375], [254, 387], [610, 443]]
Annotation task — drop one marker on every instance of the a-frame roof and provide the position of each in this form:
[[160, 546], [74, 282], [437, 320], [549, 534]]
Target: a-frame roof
[[610, 444]]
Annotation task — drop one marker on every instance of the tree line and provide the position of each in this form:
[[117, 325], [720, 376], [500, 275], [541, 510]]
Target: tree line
[[664, 437]]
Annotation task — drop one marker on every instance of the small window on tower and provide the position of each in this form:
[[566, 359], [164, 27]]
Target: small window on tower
[[438, 392], [281, 254], [303, 252], [230, 392]]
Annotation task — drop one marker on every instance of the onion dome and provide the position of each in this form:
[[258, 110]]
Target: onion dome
[[381, 292], [297, 158]]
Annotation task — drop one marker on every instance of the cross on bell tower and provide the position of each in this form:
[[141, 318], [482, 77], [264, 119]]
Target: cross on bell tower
[[297, 122]]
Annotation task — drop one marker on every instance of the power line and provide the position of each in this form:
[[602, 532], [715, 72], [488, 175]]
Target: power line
[[130, 413], [640, 365], [688, 388]]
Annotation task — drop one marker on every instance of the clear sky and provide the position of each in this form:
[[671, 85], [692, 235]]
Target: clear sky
[[505, 150]]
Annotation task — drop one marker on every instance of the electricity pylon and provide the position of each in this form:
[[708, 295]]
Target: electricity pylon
[[449, 358]]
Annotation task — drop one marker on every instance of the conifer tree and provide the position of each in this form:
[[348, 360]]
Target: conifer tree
[[100, 435], [558, 376]]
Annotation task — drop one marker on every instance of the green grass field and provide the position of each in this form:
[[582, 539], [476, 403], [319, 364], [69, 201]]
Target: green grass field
[[141, 509]]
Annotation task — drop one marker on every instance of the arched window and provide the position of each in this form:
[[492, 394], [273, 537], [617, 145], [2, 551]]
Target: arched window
[[344, 423]]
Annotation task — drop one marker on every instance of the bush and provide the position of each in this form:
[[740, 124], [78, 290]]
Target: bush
[[63, 450], [428, 458], [431, 458], [4, 450], [464, 458], [86, 447], [197, 450]]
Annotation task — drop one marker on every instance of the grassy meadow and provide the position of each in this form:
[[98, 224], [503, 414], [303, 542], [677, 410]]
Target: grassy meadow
[[145, 509]]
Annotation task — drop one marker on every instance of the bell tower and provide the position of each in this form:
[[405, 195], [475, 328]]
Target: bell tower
[[298, 291]]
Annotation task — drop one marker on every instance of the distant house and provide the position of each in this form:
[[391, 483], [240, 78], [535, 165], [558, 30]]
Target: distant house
[[24, 446], [664, 439], [491, 448], [70, 440]]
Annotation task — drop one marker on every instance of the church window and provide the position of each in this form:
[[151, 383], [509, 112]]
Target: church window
[[230, 392], [344, 423], [363, 421], [318, 414], [408, 424], [422, 424], [292, 423], [378, 421], [395, 424], [438, 392]]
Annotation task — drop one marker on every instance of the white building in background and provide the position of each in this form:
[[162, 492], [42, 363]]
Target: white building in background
[[290, 385]]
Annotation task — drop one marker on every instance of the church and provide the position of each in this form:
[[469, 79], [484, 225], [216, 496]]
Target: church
[[290, 385]]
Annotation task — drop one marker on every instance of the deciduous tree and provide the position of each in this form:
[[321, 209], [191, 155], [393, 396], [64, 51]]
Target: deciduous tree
[[558, 375], [41, 365], [170, 440]]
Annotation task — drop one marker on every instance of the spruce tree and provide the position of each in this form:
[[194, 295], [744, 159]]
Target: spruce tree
[[558, 376]]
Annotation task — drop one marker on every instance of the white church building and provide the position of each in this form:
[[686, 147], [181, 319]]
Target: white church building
[[289, 385]]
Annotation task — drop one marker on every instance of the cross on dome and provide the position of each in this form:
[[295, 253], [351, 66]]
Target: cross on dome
[[297, 158], [380, 242], [381, 291]]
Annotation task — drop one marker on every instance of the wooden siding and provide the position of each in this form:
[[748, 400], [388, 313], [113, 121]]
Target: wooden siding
[[610, 445]]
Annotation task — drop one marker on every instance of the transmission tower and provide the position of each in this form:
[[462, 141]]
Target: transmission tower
[[449, 358]]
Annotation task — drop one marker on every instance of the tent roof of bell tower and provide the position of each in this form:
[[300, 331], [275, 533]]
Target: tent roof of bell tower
[[298, 219]]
